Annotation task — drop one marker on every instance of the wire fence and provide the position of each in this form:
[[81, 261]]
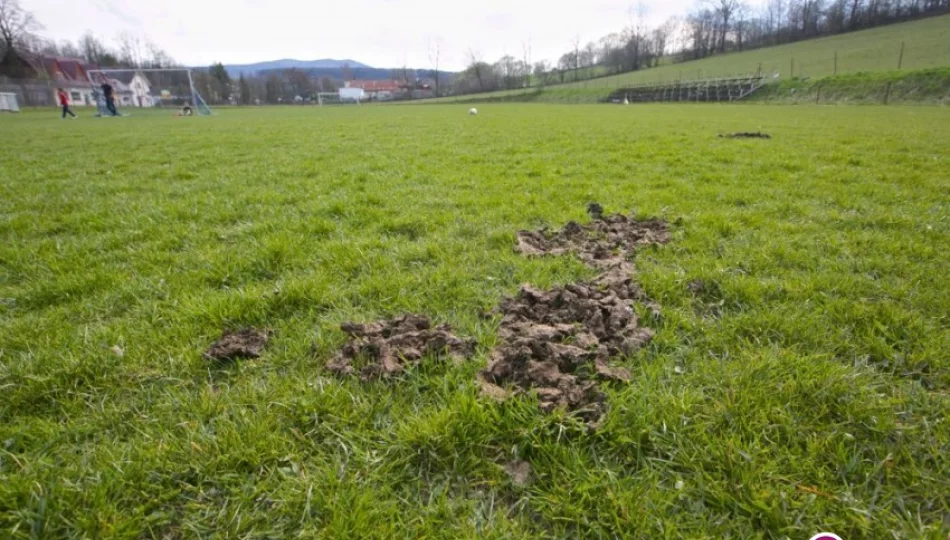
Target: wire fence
[[807, 60], [859, 93]]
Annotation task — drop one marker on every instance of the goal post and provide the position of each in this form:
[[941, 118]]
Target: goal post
[[148, 88]]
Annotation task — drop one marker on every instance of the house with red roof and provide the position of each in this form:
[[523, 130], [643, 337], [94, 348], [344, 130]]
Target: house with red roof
[[71, 74], [132, 88], [378, 90]]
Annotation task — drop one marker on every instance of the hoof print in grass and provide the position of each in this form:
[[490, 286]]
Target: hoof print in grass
[[391, 346], [556, 343], [234, 345], [746, 135]]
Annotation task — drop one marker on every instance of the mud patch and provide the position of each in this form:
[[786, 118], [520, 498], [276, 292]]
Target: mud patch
[[233, 345], [557, 343], [746, 135], [391, 346]]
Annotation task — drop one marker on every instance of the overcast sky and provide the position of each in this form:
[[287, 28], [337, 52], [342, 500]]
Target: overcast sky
[[380, 33]]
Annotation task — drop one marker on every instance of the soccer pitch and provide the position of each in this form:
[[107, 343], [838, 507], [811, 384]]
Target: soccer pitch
[[798, 380]]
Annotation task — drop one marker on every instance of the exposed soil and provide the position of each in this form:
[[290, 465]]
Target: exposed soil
[[604, 242], [233, 345], [557, 342], [746, 135], [390, 346]]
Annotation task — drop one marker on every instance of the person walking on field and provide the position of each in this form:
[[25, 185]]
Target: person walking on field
[[64, 102], [109, 94]]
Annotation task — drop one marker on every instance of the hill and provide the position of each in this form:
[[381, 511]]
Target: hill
[[926, 44], [364, 73], [317, 69], [235, 70]]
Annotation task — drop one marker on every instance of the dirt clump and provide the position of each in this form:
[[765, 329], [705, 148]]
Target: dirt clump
[[603, 242], [392, 345], [233, 345], [557, 343], [746, 135]]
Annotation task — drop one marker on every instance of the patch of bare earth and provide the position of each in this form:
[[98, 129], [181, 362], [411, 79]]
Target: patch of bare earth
[[557, 343], [233, 345], [391, 346]]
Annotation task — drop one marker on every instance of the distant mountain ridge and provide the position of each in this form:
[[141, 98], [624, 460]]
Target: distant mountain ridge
[[236, 70], [326, 67]]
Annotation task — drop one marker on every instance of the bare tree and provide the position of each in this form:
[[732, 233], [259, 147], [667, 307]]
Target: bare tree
[[131, 50], [17, 35], [590, 54], [740, 26], [724, 10], [435, 55], [526, 61], [541, 70], [508, 67], [157, 57], [853, 17], [577, 55], [477, 65], [661, 39], [17, 26]]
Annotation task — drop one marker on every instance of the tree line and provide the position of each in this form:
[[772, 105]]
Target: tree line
[[713, 27]]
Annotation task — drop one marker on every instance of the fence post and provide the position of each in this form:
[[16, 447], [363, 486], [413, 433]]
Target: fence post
[[887, 93], [836, 62], [900, 60], [818, 94]]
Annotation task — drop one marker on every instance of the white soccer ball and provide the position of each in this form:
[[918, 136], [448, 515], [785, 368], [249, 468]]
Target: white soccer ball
[[473, 111]]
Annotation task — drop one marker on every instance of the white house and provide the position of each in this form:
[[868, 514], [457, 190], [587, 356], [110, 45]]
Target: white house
[[352, 94], [132, 89]]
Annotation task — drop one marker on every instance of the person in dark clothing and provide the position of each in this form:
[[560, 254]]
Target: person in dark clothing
[[109, 94], [64, 103]]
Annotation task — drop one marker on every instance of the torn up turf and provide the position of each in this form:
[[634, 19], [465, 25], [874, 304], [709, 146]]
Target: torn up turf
[[746, 135], [391, 346], [603, 242], [233, 345], [557, 343]]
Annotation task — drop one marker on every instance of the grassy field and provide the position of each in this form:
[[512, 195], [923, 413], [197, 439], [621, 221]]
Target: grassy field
[[805, 388], [926, 45]]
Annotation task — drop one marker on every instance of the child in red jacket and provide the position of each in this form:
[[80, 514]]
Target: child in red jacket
[[64, 101]]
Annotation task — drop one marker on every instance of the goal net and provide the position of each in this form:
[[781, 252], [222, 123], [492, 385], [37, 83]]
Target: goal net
[[147, 89]]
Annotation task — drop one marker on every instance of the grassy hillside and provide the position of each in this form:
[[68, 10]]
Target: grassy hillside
[[920, 86], [923, 86], [926, 45], [803, 385]]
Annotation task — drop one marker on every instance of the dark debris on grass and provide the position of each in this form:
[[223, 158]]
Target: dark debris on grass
[[746, 135], [392, 345], [238, 344], [557, 343]]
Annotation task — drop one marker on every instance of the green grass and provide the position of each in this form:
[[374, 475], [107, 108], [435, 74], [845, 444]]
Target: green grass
[[926, 45], [806, 389], [926, 86]]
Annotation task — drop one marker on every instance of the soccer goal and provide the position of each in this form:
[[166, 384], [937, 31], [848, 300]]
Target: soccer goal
[[170, 89]]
